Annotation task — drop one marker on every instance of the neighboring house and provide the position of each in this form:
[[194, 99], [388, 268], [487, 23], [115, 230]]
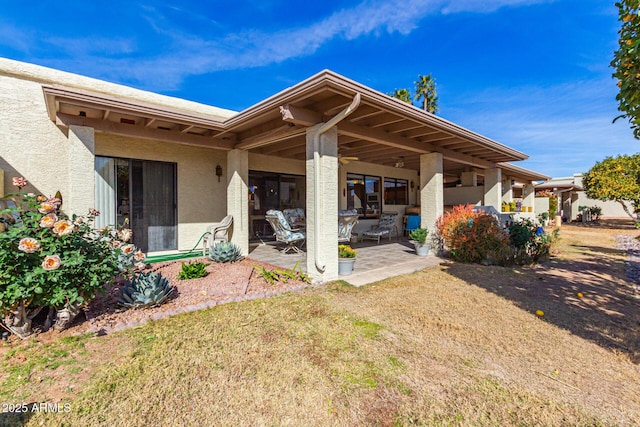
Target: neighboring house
[[571, 196], [171, 167]]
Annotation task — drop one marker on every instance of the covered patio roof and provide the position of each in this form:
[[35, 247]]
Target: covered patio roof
[[383, 130]]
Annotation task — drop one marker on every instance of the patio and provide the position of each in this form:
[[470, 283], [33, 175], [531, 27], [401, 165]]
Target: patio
[[375, 262]]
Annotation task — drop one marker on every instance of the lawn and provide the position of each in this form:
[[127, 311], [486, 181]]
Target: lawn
[[454, 345]]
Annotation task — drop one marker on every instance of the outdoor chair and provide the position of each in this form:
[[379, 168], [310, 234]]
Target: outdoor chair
[[218, 232], [386, 224], [284, 232], [295, 217], [413, 223], [347, 219]]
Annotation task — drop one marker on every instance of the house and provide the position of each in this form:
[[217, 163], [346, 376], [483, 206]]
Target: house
[[571, 197], [171, 167]]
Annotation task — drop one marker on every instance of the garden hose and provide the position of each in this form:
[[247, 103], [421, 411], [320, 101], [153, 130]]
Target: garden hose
[[172, 257]]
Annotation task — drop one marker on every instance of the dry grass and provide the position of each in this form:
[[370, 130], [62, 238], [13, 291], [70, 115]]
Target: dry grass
[[457, 345]]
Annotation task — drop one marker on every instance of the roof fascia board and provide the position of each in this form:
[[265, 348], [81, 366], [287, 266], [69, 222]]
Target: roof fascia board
[[89, 99], [341, 84]]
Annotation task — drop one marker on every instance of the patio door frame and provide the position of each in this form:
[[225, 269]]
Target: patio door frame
[[110, 201]]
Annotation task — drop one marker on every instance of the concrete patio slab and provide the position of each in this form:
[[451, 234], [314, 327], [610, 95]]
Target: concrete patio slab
[[375, 262]]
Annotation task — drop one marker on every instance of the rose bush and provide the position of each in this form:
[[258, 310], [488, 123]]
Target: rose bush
[[48, 259]]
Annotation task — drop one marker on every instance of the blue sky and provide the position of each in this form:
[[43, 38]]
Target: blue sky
[[531, 74]]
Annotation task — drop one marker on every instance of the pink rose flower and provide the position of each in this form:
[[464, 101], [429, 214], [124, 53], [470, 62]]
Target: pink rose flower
[[51, 262], [128, 249], [28, 245], [139, 256], [46, 207], [19, 182], [125, 234], [48, 221], [63, 227]]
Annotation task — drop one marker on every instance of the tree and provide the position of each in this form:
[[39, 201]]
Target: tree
[[617, 179], [426, 90], [402, 95], [626, 61]]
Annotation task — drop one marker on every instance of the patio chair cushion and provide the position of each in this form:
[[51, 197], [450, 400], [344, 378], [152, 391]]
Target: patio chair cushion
[[294, 215], [283, 231], [377, 233], [386, 224], [347, 219]]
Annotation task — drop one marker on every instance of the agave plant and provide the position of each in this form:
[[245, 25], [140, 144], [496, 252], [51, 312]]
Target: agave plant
[[145, 290], [225, 252]]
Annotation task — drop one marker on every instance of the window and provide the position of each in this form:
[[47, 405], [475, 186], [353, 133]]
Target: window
[[396, 191], [363, 194]]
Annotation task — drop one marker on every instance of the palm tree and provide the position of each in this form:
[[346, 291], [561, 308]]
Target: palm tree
[[402, 95], [426, 89]]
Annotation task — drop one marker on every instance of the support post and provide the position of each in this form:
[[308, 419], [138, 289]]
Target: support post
[[237, 197], [431, 190], [493, 188], [325, 202]]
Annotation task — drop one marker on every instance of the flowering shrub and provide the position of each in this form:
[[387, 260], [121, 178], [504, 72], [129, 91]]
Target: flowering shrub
[[346, 251], [530, 242], [48, 259], [477, 237], [472, 236]]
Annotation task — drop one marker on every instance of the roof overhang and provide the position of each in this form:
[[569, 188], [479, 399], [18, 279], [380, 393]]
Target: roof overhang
[[383, 130], [521, 173]]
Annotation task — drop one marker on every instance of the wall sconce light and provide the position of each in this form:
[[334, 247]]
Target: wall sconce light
[[412, 185], [218, 172]]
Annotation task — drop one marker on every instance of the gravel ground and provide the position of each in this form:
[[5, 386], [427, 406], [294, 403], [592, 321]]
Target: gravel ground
[[631, 245]]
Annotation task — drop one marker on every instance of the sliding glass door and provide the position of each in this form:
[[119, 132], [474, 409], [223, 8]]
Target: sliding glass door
[[141, 193]]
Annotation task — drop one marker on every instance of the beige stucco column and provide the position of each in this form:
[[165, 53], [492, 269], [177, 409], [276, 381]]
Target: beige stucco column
[[493, 188], [322, 206], [529, 194], [238, 197], [469, 179], [1, 182], [80, 195], [431, 190], [507, 189]]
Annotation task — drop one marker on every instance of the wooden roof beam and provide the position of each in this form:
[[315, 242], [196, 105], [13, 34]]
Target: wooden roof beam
[[392, 140]]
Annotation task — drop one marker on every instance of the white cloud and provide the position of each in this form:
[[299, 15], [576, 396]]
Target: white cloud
[[183, 53]]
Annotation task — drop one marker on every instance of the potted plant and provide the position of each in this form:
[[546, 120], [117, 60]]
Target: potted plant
[[346, 259], [419, 239]]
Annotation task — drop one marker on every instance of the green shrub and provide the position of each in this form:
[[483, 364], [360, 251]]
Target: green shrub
[[543, 217], [472, 236], [193, 270], [477, 237], [48, 259], [530, 243], [419, 235]]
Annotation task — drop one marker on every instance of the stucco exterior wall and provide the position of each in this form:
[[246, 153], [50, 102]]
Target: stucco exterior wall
[[202, 200], [30, 144], [541, 204], [609, 209], [261, 162], [463, 195]]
